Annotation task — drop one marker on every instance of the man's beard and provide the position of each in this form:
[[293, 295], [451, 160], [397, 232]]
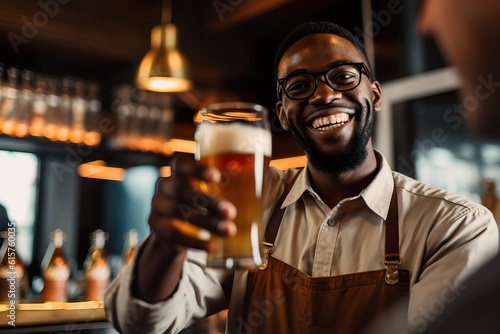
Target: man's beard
[[347, 160]]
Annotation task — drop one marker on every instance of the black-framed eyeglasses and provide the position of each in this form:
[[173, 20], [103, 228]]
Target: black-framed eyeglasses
[[342, 78]]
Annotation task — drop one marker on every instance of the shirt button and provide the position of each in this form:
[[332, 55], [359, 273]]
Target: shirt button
[[331, 222]]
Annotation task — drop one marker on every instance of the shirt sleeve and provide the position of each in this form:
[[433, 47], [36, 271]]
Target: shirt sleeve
[[456, 247], [198, 295]]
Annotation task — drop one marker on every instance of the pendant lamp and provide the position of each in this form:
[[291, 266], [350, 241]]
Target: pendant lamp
[[164, 68]]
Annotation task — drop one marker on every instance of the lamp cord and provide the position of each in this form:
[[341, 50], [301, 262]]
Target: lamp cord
[[166, 15]]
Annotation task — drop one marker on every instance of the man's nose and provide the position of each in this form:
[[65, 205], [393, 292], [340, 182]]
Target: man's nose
[[324, 93]]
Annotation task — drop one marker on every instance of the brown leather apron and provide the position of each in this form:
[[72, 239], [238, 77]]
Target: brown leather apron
[[282, 299]]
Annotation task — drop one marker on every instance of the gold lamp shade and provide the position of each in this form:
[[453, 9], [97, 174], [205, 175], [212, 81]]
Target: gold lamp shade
[[163, 68]]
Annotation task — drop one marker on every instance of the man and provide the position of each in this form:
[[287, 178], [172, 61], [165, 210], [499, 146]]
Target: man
[[335, 265], [468, 33]]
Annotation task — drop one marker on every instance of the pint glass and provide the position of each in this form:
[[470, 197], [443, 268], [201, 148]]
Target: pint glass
[[235, 138]]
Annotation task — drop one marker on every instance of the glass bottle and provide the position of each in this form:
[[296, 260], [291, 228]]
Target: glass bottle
[[97, 269], [151, 123], [65, 109], [25, 103], [79, 109], [53, 101], [55, 270], [139, 114], [13, 277], [124, 108], [92, 135], [39, 108], [131, 241], [165, 126], [10, 96]]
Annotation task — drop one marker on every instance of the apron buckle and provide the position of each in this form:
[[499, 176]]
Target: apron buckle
[[392, 273], [268, 249]]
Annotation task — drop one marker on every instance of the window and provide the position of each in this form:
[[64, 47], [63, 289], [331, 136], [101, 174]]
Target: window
[[18, 194]]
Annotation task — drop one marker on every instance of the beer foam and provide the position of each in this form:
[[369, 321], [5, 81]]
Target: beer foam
[[231, 138]]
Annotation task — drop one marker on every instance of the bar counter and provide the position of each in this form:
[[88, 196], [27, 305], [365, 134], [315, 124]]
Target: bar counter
[[85, 317]]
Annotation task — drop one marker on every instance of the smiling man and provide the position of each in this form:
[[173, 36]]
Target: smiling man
[[351, 237]]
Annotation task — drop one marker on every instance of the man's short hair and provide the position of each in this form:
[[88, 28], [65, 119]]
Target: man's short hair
[[317, 27]]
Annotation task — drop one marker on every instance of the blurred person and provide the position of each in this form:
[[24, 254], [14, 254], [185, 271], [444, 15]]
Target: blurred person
[[468, 34], [335, 264]]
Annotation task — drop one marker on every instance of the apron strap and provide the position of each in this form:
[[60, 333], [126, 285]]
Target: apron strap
[[392, 260], [275, 221]]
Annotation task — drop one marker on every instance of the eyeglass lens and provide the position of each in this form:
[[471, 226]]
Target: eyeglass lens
[[340, 78]]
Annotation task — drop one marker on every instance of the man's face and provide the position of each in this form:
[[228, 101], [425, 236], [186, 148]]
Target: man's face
[[334, 128], [468, 34]]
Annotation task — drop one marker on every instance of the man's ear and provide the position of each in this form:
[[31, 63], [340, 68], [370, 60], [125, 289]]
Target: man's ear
[[377, 95], [281, 115]]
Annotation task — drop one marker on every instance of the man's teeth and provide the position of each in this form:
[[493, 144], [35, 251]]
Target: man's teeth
[[330, 122]]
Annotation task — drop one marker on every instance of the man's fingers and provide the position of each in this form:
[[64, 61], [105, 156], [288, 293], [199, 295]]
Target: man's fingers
[[164, 207], [178, 198], [180, 233], [186, 167]]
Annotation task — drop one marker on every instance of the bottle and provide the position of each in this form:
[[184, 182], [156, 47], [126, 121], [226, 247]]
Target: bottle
[[92, 135], [131, 241], [123, 107], [138, 121], [55, 270], [97, 269], [10, 96], [165, 127], [65, 109], [13, 277], [79, 109], [53, 101], [25, 103], [39, 108]]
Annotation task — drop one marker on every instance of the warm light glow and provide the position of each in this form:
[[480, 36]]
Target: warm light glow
[[35, 130], [165, 171], [163, 68], [8, 127], [157, 145], [21, 130], [159, 84], [62, 134], [91, 138], [298, 161], [76, 136], [181, 145], [99, 170], [49, 131]]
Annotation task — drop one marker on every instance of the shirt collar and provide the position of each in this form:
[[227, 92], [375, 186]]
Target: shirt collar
[[377, 195]]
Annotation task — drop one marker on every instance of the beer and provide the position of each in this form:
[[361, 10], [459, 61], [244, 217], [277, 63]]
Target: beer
[[241, 152]]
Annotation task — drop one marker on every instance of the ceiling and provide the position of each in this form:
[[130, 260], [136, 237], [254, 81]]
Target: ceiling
[[230, 44]]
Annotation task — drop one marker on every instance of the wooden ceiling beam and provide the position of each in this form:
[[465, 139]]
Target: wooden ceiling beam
[[231, 13]]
